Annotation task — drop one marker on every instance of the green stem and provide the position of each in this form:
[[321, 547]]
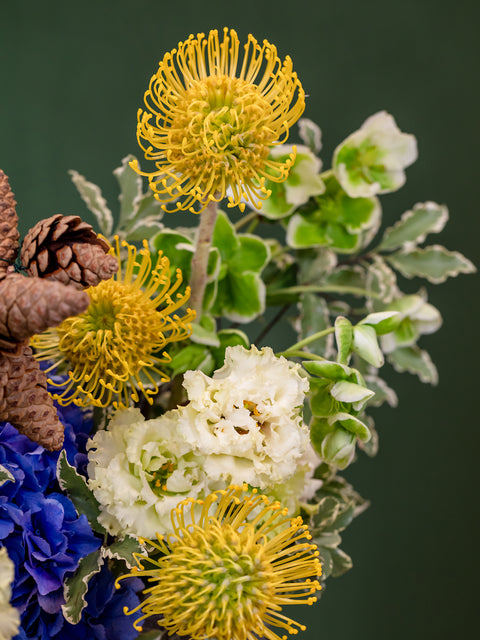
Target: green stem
[[245, 220], [198, 278], [298, 353], [332, 288], [307, 340], [326, 174]]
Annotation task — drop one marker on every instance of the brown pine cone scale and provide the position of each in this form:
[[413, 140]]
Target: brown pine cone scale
[[31, 305], [66, 249], [24, 399], [8, 224]]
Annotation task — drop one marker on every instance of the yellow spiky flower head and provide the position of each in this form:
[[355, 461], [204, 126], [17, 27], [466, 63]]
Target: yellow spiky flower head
[[209, 121], [113, 350], [231, 563]]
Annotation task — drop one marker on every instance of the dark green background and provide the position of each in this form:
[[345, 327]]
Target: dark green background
[[72, 77]]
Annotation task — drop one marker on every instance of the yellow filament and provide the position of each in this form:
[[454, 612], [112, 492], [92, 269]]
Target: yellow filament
[[209, 130], [221, 577], [114, 349]]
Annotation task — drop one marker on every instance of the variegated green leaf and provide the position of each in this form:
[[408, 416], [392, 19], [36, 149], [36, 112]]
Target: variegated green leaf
[[143, 228], [311, 134], [75, 587], [130, 190], [414, 225], [123, 549], [416, 361], [5, 475], [314, 317], [78, 491], [435, 263], [96, 203]]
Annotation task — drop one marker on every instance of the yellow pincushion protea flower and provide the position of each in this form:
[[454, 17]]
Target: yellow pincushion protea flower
[[113, 349], [231, 564], [210, 122]]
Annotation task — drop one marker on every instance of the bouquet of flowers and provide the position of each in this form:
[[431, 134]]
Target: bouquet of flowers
[[163, 470]]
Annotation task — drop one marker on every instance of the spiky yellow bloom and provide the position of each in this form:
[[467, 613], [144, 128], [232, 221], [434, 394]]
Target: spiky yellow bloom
[[210, 121], [114, 348], [232, 562]]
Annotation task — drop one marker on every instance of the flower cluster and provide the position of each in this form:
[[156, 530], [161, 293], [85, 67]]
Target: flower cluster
[[243, 424], [192, 457]]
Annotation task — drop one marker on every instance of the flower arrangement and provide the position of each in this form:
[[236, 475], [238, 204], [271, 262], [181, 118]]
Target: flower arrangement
[[162, 469]]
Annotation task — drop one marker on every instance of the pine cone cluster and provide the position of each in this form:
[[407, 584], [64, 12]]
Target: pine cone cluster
[[63, 256], [66, 249], [8, 225]]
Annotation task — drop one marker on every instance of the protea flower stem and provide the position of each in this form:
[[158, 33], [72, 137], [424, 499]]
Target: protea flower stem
[[198, 277]]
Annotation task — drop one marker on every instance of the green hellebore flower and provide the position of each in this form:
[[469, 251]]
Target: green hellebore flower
[[373, 158]]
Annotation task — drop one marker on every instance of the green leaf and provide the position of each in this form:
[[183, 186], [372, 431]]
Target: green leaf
[[5, 475], [415, 361], [352, 424], [435, 263], [382, 321], [96, 203], [78, 491], [75, 587], [228, 338], [414, 225], [314, 317], [344, 338], [142, 229], [130, 190], [311, 134], [123, 549], [341, 562], [224, 237], [350, 392], [251, 255], [365, 343], [353, 277], [240, 297], [177, 247], [381, 280], [146, 207], [328, 369], [192, 357], [383, 393], [205, 331]]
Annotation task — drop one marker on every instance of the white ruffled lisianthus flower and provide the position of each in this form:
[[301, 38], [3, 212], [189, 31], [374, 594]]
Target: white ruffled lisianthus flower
[[9, 616], [139, 470], [247, 418], [242, 425], [373, 158]]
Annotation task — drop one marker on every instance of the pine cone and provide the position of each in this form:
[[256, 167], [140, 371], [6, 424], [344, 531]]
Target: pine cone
[[24, 399], [31, 305], [66, 249], [8, 225]]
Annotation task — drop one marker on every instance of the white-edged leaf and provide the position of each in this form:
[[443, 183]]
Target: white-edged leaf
[[75, 587], [365, 344], [416, 361], [311, 134], [313, 318], [414, 225], [344, 391], [96, 203], [344, 338], [383, 393], [130, 190], [5, 475], [381, 280], [123, 549], [328, 369], [435, 263], [352, 424], [144, 228], [78, 491]]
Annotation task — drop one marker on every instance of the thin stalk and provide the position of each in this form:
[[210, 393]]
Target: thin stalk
[[329, 288], [198, 278], [307, 340], [245, 220], [299, 353]]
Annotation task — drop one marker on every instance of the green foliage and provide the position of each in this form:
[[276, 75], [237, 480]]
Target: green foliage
[[78, 491], [76, 586]]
